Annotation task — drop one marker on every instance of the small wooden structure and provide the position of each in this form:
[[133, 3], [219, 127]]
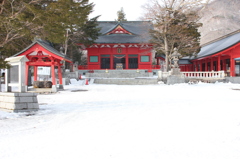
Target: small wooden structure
[[41, 53]]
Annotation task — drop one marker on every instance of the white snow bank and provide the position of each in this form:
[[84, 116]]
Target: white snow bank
[[181, 121]]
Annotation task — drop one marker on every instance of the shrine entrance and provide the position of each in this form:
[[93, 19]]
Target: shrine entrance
[[119, 61]]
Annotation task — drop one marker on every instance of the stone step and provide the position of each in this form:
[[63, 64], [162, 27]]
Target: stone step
[[119, 74], [127, 81]]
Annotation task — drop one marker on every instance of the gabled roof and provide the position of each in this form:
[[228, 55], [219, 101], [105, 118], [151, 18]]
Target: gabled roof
[[45, 45], [220, 44], [139, 32], [119, 30]]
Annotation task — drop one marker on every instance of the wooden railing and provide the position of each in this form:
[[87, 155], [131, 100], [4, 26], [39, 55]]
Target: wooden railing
[[211, 74], [199, 75]]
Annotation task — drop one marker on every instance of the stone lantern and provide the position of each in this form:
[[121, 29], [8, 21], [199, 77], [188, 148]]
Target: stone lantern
[[175, 73]]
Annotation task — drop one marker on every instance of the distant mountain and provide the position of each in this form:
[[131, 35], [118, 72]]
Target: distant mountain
[[219, 18]]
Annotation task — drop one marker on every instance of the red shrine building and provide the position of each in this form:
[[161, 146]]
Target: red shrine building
[[220, 54], [41, 53], [122, 45]]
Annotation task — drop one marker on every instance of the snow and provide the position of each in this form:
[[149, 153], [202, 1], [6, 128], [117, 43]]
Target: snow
[[199, 121]]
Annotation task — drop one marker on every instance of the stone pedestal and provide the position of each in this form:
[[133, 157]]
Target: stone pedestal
[[175, 77], [54, 88], [176, 71], [60, 87], [19, 102]]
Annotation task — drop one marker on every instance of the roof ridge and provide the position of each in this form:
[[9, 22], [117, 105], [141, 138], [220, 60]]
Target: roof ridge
[[220, 38], [123, 21], [116, 26]]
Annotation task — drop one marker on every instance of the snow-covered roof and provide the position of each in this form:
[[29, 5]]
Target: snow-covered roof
[[139, 32], [45, 45], [219, 45]]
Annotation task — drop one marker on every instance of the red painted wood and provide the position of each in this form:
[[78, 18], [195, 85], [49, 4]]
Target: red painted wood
[[219, 63], [26, 74], [39, 56], [112, 50], [35, 72], [119, 30], [38, 48], [232, 67], [60, 74]]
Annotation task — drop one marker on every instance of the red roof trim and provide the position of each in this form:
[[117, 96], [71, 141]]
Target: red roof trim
[[119, 30], [36, 47]]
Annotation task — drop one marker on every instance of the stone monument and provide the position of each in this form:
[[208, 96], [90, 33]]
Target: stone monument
[[16, 98], [175, 73]]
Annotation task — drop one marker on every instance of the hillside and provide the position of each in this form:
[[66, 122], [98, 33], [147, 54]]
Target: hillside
[[219, 18]]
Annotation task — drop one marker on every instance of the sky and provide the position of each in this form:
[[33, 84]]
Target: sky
[[108, 9]]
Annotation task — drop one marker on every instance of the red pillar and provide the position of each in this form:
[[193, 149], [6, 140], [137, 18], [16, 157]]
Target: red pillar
[[26, 74], [60, 74], [219, 63], [126, 61], [53, 75], [111, 61], [232, 69], [206, 64], [35, 73]]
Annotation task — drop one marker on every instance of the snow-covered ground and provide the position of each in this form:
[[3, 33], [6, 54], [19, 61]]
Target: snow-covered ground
[[200, 121]]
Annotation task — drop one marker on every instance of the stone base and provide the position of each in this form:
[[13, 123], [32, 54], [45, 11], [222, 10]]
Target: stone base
[[119, 74], [54, 88], [127, 81], [175, 71], [19, 102], [60, 87], [174, 79]]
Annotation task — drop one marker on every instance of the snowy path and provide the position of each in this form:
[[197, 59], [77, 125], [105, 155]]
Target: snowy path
[[127, 122]]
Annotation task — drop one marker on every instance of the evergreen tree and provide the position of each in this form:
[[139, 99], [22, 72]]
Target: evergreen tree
[[61, 22], [15, 24], [121, 15]]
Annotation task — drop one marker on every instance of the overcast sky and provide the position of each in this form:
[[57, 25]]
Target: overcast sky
[[108, 9]]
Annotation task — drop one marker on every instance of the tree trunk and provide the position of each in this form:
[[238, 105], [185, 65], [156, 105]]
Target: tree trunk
[[166, 51]]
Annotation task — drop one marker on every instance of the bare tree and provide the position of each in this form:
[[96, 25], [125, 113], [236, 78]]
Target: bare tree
[[175, 26]]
